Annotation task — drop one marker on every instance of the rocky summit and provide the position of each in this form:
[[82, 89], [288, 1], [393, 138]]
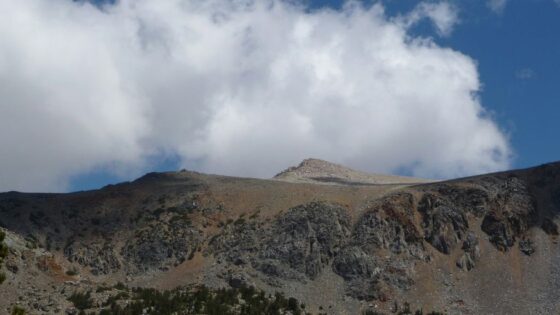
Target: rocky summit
[[319, 238]]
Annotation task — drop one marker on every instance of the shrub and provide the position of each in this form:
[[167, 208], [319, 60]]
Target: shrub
[[120, 286], [18, 311], [81, 300]]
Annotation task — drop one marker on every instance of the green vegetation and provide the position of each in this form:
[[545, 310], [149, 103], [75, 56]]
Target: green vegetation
[[3, 255], [246, 301], [18, 311], [405, 311], [113, 299], [202, 300], [81, 300], [120, 286], [103, 289]]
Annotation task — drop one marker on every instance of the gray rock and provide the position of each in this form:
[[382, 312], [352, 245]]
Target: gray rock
[[445, 224], [471, 252], [239, 281], [388, 224], [353, 263], [297, 245], [513, 212], [101, 258], [526, 246], [160, 246], [307, 237]]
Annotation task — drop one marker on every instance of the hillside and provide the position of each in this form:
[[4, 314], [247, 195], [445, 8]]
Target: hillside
[[480, 245]]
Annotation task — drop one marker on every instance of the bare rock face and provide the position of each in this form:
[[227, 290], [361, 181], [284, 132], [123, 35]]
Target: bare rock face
[[388, 224], [314, 238], [353, 263], [100, 258], [361, 272], [160, 247], [307, 237], [446, 210], [380, 254], [512, 213], [297, 245], [445, 225], [471, 252]]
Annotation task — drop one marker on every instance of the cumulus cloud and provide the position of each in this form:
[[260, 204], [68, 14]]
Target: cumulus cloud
[[443, 16], [498, 6], [234, 87]]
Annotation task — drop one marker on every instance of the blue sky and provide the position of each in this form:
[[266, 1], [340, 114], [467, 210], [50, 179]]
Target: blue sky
[[518, 56], [128, 89]]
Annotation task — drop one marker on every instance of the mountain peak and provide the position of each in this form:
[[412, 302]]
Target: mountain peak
[[314, 170]]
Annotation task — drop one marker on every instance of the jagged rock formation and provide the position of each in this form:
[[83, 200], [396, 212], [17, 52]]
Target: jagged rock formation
[[478, 245], [297, 245]]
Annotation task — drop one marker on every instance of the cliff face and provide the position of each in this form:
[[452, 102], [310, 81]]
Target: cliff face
[[479, 245]]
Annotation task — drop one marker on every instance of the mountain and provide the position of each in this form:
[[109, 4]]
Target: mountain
[[337, 240], [319, 171]]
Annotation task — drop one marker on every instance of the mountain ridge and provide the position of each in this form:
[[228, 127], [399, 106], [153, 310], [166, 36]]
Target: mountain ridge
[[340, 248]]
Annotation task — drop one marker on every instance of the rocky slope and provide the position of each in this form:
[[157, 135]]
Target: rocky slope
[[479, 245]]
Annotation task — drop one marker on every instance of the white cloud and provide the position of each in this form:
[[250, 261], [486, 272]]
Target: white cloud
[[498, 6], [443, 16], [236, 87]]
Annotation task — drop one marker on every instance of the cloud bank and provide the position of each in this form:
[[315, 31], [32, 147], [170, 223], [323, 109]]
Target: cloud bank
[[234, 87]]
